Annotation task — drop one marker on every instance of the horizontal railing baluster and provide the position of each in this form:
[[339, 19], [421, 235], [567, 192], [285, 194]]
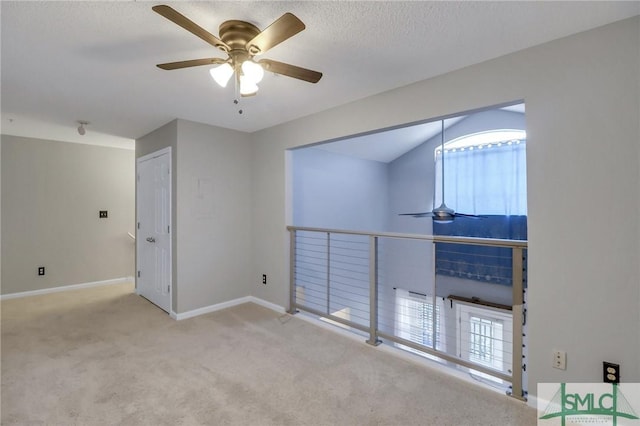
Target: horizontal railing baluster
[[353, 303]]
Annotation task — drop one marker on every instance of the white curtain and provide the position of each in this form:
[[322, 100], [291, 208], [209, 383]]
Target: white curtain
[[489, 180], [414, 319], [404, 314]]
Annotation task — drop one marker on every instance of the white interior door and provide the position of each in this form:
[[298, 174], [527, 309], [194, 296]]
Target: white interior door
[[153, 236]]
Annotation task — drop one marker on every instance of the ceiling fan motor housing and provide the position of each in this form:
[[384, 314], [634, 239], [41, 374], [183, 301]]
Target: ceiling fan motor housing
[[443, 213], [236, 34]]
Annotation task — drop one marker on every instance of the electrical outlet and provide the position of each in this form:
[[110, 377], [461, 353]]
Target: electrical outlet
[[610, 372], [560, 360], [103, 214], [264, 279], [40, 270]]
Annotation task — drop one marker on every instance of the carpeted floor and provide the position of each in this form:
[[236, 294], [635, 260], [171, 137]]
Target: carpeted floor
[[104, 356]]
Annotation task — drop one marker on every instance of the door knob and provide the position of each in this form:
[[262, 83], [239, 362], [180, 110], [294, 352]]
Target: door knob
[[151, 239]]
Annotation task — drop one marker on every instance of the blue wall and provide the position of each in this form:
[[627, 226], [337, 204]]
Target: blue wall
[[339, 192]]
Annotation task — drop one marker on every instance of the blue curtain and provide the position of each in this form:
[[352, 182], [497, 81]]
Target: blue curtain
[[479, 263]]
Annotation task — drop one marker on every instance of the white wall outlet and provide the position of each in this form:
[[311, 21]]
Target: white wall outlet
[[560, 360]]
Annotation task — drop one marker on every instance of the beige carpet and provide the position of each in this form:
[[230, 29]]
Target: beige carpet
[[105, 356]]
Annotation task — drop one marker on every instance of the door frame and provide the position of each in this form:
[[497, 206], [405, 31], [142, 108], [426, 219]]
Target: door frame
[[158, 153]]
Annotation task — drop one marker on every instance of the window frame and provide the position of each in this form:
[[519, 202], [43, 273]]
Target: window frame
[[500, 362]]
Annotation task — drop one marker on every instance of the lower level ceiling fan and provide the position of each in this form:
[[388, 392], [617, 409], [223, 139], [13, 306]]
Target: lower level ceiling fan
[[442, 214]]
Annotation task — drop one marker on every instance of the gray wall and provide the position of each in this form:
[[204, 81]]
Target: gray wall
[[582, 97], [339, 192], [214, 226], [0, 214], [51, 194], [211, 225]]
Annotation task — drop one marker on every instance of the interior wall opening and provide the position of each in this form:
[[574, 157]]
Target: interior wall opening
[[427, 293]]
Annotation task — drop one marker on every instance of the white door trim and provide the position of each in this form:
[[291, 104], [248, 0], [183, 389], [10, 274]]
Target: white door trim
[[146, 157]]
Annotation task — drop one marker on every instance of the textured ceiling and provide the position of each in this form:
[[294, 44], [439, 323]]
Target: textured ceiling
[[95, 61]]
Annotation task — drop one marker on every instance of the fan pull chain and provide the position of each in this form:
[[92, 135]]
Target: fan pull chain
[[236, 101]]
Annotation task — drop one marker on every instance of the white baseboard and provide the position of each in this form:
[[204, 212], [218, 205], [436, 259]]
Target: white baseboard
[[212, 308], [228, 304], [532, 401], [65, 288], [279, 309]]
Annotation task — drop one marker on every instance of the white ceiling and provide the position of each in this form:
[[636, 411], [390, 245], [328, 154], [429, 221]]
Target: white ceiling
[[95, 61], [387, 145]]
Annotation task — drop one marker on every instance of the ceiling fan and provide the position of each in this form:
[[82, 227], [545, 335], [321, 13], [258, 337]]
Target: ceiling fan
[[442, 214], [241, 41]]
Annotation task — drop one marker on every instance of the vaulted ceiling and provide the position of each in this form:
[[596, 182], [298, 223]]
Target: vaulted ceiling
[[95, 61]]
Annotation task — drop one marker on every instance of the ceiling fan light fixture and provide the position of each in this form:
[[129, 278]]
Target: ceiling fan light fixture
[[448, 219], [222, 74], [253, 71], [247, 86]]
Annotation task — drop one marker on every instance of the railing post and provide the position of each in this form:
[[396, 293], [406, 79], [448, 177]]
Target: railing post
[[328, 273], [518, 302], [292, 272], [373, 291], [434, 324]]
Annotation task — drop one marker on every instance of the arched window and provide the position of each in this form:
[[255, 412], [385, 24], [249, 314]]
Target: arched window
[[485, 173]]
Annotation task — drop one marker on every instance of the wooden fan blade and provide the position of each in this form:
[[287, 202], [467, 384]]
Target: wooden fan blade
[[192, 63], [291, 70], [190, 26], [283, 28]]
